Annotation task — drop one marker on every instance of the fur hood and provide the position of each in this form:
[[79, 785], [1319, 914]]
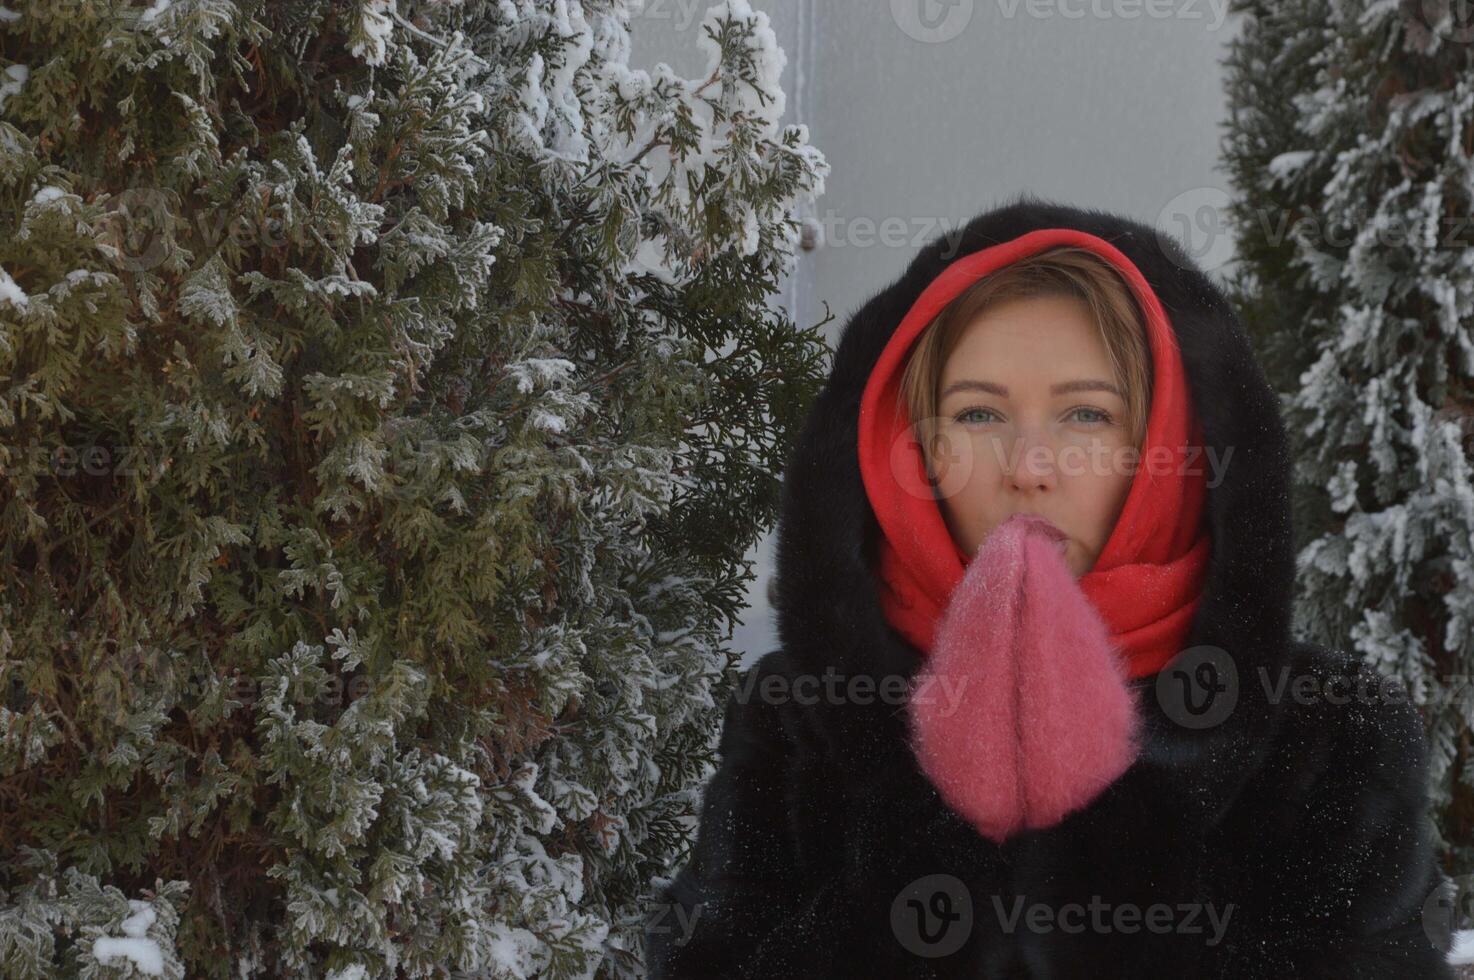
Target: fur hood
[[1284, 836]]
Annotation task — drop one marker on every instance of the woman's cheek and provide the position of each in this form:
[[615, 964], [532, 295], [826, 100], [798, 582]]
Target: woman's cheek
[[992, 452], [965, 462]]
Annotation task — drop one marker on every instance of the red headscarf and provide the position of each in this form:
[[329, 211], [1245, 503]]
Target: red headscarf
[[1147, 580]]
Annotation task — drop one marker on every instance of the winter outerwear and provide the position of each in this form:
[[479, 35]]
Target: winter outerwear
[[1272, 823], [1146, 579]]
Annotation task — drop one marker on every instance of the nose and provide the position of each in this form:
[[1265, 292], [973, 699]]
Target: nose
[[1033, 465]]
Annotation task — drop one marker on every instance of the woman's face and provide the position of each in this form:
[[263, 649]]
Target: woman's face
[[1033, 421]]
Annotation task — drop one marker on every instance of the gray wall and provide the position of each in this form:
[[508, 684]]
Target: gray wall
[[930, 111]]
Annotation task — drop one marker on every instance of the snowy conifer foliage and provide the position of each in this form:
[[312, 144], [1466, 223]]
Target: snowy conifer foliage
[[388, 395], [1352, 152]]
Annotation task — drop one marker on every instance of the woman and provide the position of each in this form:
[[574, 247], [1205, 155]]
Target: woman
[[1037, 711]]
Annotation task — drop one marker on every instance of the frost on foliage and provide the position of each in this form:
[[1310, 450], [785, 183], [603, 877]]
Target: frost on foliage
[[719, 132], [1384, 343], [136, 949], [371, 38], [552, 112], [11, 293], [12, 81], [352, 781], [25, 738], [457, 396], [558, 403], [1284, 167], [547, 933], [727, 122], [67, 923]]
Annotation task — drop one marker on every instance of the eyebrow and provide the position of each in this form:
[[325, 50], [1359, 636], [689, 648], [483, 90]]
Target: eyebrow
[[1064, 387]]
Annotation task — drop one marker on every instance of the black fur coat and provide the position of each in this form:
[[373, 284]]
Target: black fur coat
[[1286, 839]]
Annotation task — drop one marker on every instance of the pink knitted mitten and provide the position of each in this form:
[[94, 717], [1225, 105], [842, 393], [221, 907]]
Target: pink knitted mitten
[[1021, 713]]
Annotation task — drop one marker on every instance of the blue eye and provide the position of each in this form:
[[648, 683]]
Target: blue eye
[[1104, 417], [962, 416], [1098, 416]]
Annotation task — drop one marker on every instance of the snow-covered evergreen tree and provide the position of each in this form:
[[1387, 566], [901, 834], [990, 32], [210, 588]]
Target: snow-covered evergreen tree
[[1351, 144], [389, 391]]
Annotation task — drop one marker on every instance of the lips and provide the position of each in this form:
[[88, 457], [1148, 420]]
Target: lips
[[1041, 524], [1022, 713]]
